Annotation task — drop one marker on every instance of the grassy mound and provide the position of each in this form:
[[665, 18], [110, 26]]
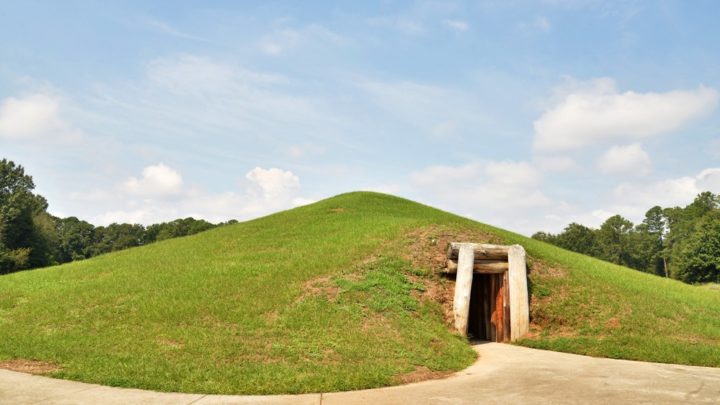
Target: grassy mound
[[338, 295]]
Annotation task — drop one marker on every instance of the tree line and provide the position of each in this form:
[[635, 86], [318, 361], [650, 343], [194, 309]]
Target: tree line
[[680, 243], [30, 237]]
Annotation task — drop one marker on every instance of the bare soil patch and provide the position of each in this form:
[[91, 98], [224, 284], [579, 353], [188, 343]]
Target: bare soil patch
[[421, 373], [427, 246], [29, 366], [171, 343], [543, 270], [319, 287]]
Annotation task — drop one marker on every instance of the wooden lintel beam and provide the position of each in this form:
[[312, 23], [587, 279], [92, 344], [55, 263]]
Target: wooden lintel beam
[[481, 266], [482, 251]]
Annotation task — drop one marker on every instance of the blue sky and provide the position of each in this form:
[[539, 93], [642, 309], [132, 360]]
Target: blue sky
[[525, 115]]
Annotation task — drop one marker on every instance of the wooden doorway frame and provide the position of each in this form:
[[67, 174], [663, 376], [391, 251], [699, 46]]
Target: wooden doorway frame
[[466, 259]]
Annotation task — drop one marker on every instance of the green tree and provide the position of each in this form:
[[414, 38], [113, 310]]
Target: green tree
[[578, 238], [612, 240], [26, 239], [648, 243], [75, 239], [117, 237], [545, 237], [176, 228], [697, 258]]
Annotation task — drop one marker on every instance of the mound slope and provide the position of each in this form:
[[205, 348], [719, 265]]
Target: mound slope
[[338, 295]]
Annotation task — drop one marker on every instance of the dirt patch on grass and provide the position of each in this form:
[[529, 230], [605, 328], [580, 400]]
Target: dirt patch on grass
[[421, 373], [271, 317], [256, 358], [328, 287], [427, 246], [29, 366], [697, 339], [612, 323], [442, 291], [319, 287], [543, 270], [543, 317], [379, 324], [171, 343]]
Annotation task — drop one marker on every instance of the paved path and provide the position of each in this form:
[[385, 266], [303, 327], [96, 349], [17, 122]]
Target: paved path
[[504, 374]]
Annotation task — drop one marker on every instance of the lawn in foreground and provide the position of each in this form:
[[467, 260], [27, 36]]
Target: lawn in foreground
[[320, 298]]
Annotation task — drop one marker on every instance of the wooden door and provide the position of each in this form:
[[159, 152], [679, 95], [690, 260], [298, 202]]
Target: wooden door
[[489, 308]]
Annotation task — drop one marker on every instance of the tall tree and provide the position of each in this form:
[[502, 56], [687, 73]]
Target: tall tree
[[649, 246], [75, 239], [578, 238], [612, 238], [696, 259], [117, 237], [25, 237]]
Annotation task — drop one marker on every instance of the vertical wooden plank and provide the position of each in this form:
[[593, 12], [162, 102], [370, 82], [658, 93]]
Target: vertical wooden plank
[[519, 308], [486, 305], [493, 296], [500, 308], [475, 320], [463, 287], [506, 306]]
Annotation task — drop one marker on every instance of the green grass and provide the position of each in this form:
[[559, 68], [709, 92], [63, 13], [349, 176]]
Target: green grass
[[321, 298], [712, 286]]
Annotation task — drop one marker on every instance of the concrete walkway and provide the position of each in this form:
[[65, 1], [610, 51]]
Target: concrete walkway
[[504, 374]]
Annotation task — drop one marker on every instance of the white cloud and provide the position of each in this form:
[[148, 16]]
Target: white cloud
[[274, 182], [300, 201], [512, 174], [279, 42], [444, 129], [632, 200], [188, 70], [190, 74], [490, 191], [554, 163], [491, 184], [626, 160], [285, 39], [128, 217], [709, 180], [305, 150], [157, 180], [596, 112], [457, 25], [678, 191], [387, 188], [500, 193], [542, 23], [404, 25], [167, 29], [145, 200], [189, 96], [29, 116], [432, 110]]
